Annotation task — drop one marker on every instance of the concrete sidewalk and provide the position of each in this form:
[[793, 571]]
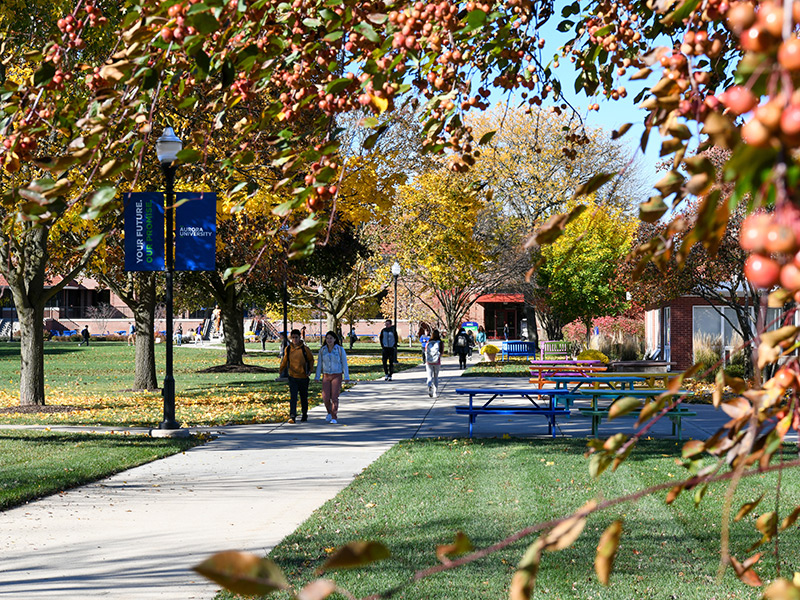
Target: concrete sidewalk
[[136, 535]]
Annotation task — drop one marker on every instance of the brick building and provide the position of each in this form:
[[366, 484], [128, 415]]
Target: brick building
[[673, 329]]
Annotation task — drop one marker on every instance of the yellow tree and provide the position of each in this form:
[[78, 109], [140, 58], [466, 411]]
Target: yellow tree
[[579, 278], [533, 165], [450, 241]]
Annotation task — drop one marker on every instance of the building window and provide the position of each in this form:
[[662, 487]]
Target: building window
[[712, 330]]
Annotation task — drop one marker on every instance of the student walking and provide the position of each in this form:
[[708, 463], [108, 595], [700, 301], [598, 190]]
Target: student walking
[[388, 339], [481, 338], [433, 362], [298, 361], [461, 347], [85, 336], [332, 365]]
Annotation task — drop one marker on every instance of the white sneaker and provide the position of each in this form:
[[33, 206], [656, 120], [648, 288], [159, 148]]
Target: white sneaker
[[328, 418], [334, 421]]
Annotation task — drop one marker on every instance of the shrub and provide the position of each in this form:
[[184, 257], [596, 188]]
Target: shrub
[[707, 352], [593, 355], [490, 349]]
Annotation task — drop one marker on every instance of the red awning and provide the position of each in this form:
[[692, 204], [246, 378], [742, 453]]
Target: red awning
[[511, 298]]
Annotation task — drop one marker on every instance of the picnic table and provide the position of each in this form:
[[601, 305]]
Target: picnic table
[[647, 395], [546, 408], [569, 368]]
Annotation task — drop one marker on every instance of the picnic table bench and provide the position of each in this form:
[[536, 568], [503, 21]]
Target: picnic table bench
[[650, 378], [548, 410], [595, 381], [517, 348], [675, 414]]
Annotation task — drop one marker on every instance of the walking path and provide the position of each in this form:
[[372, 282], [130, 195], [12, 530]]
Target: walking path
[[135, 536]]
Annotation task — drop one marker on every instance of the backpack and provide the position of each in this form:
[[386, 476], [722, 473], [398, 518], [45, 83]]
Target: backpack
[[461, 340], [433, 352]]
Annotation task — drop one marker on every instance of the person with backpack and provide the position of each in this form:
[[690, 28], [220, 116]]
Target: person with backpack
[[353, 337], [263, 335], [461, 347], [332, 366], [298, 361], [433, 361], [388, 339]]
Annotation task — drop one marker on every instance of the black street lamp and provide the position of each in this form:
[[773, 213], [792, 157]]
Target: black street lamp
[[167, 148], [396, 274]]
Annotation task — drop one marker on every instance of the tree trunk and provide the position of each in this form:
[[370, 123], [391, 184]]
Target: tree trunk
[[233, 328], [588, 325], [144, 318], [138, 291], [31, 385]]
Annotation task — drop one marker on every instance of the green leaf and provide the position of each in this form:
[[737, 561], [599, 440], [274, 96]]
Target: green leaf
[[312, 23], [203, 22], [623, 406], [486, 138], [189, 155], [338, 85], [475, 20], [367, 31], [680, 13], [44, 74]]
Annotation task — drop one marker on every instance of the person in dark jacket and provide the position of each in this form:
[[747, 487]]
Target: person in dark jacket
[[85, 335], [461, 347], [388, 339]]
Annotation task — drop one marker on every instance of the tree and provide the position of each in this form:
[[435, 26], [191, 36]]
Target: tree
[[533, 165], [447, 239], [580, 268], [345, 270]]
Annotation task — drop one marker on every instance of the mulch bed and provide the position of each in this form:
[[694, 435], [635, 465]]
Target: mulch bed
[[237, 369], [35, 408]]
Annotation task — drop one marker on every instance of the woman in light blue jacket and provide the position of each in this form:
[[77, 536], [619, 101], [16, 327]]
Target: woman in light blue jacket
[[332, 365]]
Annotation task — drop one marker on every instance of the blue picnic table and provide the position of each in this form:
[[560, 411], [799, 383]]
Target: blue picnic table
[[675, 414], [546, 408]]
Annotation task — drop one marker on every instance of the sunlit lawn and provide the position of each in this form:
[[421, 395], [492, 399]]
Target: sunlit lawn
[[96, 380], [421, 492]]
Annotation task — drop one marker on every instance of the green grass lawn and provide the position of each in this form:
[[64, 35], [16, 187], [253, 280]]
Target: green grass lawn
[[513, 367], [38, 463], [417, 495], [96, 381]]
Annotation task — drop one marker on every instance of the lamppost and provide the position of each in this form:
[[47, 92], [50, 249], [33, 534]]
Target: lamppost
[[396, 274], [320, 289], [167, 148]]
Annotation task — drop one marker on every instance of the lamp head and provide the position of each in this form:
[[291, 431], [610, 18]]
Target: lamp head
[[396, 269], [168, 146]]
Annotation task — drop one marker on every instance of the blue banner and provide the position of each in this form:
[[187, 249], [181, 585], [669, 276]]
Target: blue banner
[[144, 231], [195, 231]]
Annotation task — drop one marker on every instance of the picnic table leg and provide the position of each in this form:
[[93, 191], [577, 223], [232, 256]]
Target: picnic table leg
[[471, 421], [595, 424]]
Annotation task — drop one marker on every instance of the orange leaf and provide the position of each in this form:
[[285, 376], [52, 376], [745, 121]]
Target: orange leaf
[[243, 573], [607, 551], [356, 554]]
